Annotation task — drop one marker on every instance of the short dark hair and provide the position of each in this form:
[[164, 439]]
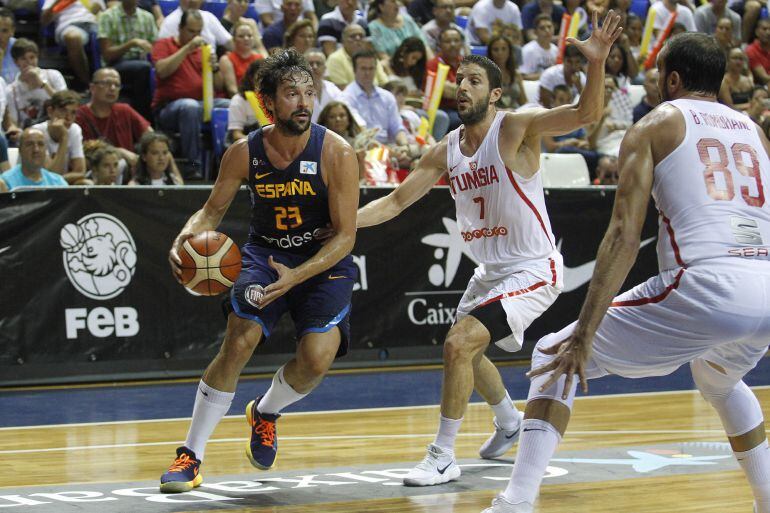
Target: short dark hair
[[363, 54], [698, 59], [448, 29], [189, 13], [494, 75], [279, 67], [562, 88], [63, 98], [542, 17], [572, 51], [22, 46], [7, 13]]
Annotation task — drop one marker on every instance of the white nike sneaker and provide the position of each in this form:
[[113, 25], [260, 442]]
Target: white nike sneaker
[[500, 441], [501, 505], [438, 467]]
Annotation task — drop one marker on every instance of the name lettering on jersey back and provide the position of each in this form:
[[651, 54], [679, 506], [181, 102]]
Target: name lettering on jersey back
[[280, 190], [474, 178], [715, 121]]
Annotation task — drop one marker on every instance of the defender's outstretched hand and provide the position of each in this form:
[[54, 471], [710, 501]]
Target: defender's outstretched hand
[[597, 47], [571, 357]]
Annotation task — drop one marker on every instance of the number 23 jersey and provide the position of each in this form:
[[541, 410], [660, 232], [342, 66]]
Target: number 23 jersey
[[711, 191], [288, 205]]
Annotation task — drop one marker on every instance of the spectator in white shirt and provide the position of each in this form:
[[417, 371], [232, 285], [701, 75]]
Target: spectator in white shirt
[[492, 18], [241, 118], [32, 87], [663, 12], [570, 73], [213, 31], [63, 137], [74, 25], [443, 18], [270, 11], [325, 91], [539, 54]]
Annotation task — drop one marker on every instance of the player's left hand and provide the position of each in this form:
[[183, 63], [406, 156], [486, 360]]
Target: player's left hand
[[286, 280], [597, 47], [571, 357]]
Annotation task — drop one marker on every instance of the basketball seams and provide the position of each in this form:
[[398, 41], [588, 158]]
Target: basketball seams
[[199, 258]]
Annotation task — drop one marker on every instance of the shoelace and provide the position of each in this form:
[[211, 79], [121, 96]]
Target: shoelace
[[181, 464], [266, 431]]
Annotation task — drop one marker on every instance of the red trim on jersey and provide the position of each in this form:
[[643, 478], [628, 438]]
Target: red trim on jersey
[[655, 299], [514, 293], [553, 272], [529, 203], [672, 238]]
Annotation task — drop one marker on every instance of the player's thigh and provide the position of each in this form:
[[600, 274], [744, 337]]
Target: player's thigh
[[321, 306]]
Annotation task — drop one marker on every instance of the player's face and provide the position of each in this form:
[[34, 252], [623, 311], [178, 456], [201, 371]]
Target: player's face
[[293, 105], [473, 94], [157, 157]]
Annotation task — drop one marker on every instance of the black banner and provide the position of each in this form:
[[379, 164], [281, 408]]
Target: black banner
[[87, 290]]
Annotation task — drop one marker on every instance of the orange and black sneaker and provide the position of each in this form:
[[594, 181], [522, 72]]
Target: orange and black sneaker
[[184, 474], [263, 445]]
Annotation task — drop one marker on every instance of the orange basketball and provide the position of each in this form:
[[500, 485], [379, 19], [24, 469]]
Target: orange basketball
[[211, 262]]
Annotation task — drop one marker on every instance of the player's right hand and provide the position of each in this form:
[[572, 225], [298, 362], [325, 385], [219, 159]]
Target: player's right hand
[[173, 255]]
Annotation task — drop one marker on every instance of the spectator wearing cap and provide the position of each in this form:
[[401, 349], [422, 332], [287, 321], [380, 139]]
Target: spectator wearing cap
[[126, 35]]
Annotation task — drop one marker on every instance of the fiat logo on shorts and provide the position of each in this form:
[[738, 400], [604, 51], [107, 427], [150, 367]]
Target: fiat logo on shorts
[[254, 294]]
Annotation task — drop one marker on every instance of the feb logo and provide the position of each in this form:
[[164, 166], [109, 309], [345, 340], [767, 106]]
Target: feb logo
[[99, 255]]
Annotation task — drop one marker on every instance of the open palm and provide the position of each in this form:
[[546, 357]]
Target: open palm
[[597, 47]]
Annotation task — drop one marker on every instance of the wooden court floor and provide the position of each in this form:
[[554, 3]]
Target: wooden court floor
[[140, 451]]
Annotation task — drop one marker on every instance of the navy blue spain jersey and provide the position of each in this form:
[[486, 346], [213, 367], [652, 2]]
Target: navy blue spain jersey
[[288, 205]]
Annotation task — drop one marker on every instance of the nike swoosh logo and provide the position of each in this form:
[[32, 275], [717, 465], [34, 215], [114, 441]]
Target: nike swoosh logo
[[205, 393], [533, 429], [442, 470], [514, 434], [258, 176], [576, 277], [3, 250], [336, 277]]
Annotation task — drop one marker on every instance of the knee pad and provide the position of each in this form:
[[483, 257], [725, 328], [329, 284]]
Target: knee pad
[[733, 400]]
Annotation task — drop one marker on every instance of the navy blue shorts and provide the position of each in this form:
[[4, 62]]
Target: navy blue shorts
[[317, 305]]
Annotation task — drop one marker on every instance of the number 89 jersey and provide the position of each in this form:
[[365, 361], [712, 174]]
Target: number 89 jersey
[[711, 191], [289, 205]]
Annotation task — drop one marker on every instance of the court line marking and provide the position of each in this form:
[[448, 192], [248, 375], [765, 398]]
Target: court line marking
[[357, 410], [357, 437]]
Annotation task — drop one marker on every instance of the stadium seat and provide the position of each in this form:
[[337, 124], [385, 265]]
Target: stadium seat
[[640, 7], [479, 50], [564, 170], [218, 131], [13, 156], [166, 6], [216, 8], [635, 94], [461, 21]]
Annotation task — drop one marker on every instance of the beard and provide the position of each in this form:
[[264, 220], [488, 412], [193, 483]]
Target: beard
[[475, 113], [292, 127]]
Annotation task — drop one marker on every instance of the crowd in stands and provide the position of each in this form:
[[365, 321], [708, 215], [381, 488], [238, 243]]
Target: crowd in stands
[[116, 94]]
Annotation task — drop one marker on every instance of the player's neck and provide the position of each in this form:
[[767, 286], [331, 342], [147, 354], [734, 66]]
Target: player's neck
[[473, 135], [287, 146], [696, 96]]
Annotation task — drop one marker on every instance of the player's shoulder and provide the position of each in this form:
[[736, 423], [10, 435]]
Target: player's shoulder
[[664, 121], [334, 143]]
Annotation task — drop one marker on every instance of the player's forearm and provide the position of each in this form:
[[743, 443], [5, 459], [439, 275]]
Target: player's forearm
[[327, 257], [378, 211], [203, 220], [591, 104], [616, 256]]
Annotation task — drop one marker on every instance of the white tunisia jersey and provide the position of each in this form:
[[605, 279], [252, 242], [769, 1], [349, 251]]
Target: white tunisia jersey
[[500, 215], [712, 190]]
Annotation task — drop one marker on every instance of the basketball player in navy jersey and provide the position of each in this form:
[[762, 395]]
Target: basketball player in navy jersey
[[301, 178]]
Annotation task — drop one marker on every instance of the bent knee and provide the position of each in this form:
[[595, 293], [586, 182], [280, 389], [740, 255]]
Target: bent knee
[[711, 380], [461, 347]]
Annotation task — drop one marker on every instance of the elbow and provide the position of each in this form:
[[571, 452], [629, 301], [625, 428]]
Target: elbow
[[588, 116]]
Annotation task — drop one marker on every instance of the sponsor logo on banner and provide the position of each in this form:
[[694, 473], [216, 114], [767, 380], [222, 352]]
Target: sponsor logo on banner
[[100, 260]]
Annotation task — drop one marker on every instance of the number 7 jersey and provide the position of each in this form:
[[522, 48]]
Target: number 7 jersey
[[711, 191]]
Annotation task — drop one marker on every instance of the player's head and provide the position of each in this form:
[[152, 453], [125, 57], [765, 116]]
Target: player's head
[[286, 87], [690, 63], [479, 86]]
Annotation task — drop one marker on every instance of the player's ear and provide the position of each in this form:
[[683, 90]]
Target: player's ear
[[494, 95]]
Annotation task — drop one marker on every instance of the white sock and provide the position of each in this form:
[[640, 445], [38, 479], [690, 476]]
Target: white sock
[[210, 406], [506, 413], [756, 465], [279, 395], [447, 432], [537, 444]]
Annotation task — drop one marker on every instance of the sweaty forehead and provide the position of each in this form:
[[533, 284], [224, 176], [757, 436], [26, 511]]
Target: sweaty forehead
[[470, 70]]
